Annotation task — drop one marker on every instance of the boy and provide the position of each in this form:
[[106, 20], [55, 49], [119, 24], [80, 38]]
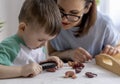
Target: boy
[[20, 55]]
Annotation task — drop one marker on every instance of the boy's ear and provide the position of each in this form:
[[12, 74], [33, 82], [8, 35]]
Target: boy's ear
[[87, 8], [22, 26]]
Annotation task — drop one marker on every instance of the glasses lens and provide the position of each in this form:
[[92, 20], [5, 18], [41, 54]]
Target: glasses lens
[[71, 18]]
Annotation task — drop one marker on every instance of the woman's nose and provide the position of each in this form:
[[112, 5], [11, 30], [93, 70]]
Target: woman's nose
[[64, 19]]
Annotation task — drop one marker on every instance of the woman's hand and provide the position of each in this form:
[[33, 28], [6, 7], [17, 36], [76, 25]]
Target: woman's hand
[[31, 70], [57, 60], [110, 50], [81, 55]]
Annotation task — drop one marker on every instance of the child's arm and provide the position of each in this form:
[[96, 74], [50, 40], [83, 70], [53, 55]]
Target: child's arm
[[31, 69], [10, 71]]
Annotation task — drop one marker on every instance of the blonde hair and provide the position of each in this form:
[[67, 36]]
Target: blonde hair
[[44, 12]]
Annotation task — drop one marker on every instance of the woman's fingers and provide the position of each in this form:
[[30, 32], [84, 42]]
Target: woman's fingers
[[85, 54], [78, 58], [110, 50], [106, 49], [81, 55]]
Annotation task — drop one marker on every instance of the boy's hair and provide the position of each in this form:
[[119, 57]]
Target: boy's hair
[[44, 12]]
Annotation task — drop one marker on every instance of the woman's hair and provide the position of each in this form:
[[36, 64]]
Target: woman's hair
[[43, 12], [88, 19]]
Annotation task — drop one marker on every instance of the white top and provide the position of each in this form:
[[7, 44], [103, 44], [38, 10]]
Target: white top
[[101, 34]]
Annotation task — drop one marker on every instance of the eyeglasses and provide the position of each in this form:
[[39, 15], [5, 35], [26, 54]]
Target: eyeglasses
[[71, 17]]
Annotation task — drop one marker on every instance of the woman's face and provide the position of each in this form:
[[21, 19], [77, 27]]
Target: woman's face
[[75, 10]]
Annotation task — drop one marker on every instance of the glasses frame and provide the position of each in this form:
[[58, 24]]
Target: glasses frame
[[66, 15]]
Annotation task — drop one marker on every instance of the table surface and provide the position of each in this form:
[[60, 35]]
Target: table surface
[[103, 77]]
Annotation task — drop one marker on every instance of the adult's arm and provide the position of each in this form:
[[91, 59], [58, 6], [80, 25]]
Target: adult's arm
[[65, 55]]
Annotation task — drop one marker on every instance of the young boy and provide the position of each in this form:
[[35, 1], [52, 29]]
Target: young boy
[[20, 54]]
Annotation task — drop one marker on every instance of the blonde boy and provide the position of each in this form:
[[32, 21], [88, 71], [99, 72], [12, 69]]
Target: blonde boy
[[20, 54]]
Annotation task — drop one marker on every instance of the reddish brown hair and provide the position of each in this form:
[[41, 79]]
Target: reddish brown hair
[[88, 20]]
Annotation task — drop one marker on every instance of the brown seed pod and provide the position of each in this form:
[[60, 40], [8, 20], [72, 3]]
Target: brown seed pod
[[78, 70], [70, 63], [90, 74], [70, 74]]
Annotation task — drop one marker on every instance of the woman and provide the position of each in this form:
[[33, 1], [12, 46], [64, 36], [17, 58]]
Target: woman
[[85, 32]]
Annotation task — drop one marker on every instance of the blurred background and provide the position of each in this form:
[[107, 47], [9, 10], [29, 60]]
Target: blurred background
[[9, 11]]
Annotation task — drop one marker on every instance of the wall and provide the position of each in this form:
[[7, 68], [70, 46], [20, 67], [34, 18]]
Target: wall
[[112, 9], [9, 11], [114, 12]]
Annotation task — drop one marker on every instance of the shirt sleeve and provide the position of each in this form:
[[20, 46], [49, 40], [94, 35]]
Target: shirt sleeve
[[112, 35], [4, 56]]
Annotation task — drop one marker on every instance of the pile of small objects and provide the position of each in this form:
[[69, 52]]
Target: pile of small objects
[[78, 68]]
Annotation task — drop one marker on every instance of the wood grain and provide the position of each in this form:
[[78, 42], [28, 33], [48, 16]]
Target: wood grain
[[111, 63]]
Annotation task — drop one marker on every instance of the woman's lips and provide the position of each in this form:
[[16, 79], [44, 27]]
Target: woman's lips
[[65, 23]]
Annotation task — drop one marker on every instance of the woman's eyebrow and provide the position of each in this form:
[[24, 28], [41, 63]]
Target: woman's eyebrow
[[61, 8], [71, 11], [74, 11]]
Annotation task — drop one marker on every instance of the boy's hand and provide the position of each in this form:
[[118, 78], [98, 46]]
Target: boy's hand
[[31, 70], [57, 60]]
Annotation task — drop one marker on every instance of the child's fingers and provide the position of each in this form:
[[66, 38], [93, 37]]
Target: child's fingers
[[40, 68], [58, 61], [60, 64], [36, 70]]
